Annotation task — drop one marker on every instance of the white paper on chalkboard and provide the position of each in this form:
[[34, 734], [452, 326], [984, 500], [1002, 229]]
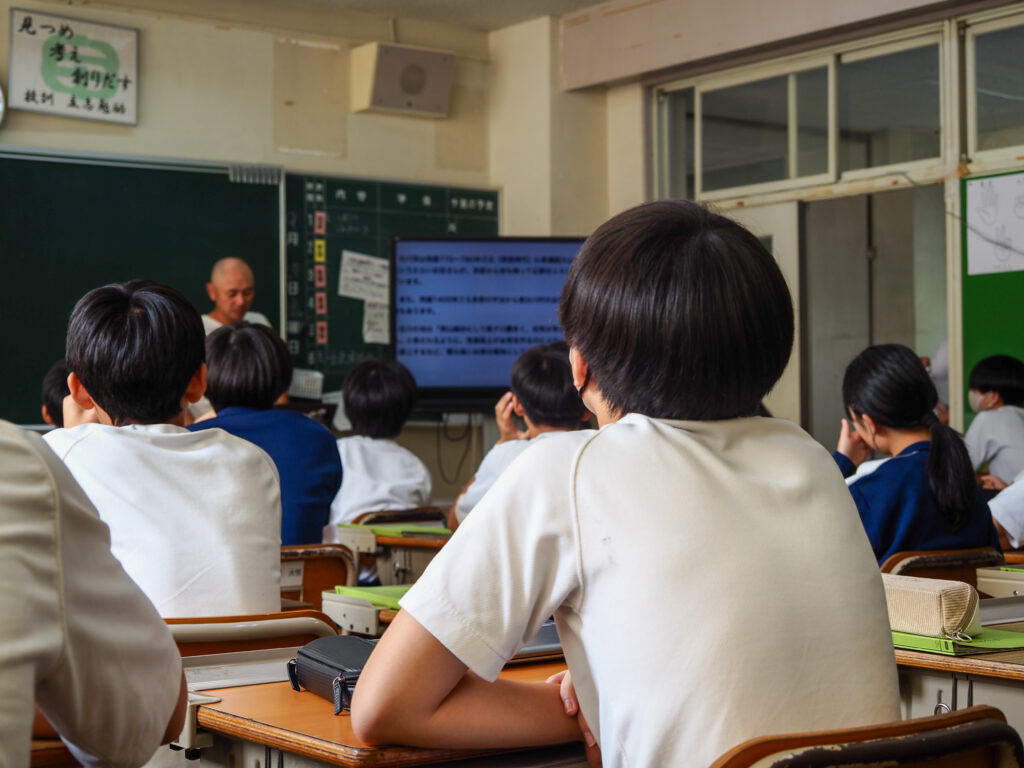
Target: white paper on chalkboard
[[995, 225], [73, 68], [363, 277], [376, 329]]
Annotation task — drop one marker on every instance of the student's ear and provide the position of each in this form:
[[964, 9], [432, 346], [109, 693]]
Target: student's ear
[[517, 407], [47, 417], [79, 393], [196, 385], [579, 367], [211, 292]]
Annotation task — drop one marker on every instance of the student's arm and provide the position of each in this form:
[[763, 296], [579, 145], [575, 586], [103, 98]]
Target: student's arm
[[414, 691], [453, 517]]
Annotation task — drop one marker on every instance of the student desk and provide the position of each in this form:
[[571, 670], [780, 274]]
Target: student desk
[[931, 682], [401, 556], [251, 723]]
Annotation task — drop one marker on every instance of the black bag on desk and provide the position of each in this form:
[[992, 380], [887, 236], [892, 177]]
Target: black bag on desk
[[330, 667]]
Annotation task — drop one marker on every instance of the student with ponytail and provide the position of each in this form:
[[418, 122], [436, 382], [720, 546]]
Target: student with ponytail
[[925, 497]]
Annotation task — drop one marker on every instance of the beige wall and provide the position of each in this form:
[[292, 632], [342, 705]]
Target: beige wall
[[265, 82], [626, 38], [547, 147]]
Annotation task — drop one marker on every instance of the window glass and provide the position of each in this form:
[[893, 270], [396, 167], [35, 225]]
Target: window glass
[[747, 136], [999, 88], [677, 145], [889, 109]]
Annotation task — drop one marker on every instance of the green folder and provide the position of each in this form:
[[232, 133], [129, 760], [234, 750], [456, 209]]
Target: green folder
[[987, 641], [400, 529], [1011, 568], [385, 598]]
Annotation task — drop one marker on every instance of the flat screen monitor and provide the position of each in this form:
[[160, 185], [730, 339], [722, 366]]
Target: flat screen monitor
[[462, 311]]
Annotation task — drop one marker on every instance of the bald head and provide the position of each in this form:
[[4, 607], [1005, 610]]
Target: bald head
[[231, 289]]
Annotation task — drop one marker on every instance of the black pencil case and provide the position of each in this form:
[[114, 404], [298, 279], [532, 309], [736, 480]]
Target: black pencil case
[[330, 667]]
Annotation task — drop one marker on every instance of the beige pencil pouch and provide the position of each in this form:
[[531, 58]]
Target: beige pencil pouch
[[933, 607]]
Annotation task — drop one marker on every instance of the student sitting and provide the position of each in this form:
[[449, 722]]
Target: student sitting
[[925, 497], [714, 535], [249, 367], [543, 396], [379, 473], [1007, 508], [996, 436], [77, 637], [55, 389], [195, 517]]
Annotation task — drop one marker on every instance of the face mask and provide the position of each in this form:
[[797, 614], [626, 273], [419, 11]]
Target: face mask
[[974, 398]]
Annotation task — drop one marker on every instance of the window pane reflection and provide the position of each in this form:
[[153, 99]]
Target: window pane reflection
[[999, 88], [889, 109]]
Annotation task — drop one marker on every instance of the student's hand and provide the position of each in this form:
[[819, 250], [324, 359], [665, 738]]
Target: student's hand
[[851, 445], [572, 707], [992, 483], [504, 415], [942, 413], [74, 414]]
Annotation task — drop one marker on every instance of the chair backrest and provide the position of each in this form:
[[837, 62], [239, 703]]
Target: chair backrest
[[324, 566], [953, 564], [226, 634], [976, 737], [420, 515]]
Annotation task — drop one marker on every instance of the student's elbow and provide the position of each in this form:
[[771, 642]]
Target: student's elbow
[[374, 713]]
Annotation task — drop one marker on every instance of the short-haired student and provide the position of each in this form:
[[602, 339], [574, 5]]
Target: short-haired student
[[379, 474], [925, 497], [996, 435], [195, 517], [249, 368], [542, 395], [55, 389], [650, 539]]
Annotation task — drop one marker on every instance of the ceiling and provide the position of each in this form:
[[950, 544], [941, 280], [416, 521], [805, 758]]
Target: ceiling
[[479, 15]]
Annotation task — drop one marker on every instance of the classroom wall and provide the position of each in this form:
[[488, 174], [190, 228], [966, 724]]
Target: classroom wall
[[267, 82], [625, 38], [548, 149]]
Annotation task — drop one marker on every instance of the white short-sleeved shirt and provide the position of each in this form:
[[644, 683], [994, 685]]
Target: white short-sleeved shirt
[[376, 474], [996, 438], [1007, 507], [711, 582], [494, 463], [195, 517], [77, 636], [210, 325]]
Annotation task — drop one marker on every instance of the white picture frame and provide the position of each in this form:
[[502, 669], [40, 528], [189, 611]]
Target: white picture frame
[[73, 68]]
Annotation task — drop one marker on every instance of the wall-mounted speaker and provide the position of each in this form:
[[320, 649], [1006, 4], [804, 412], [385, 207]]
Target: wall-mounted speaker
[[401, 79]]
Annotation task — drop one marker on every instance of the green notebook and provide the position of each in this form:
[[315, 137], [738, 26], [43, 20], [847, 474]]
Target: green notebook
[[988, 641], [400, 529], [385, 598]]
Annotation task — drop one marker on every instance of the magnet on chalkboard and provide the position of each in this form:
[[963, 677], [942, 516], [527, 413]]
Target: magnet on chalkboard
[[321, 332], [320, 222], [320, 275], [321, 303]]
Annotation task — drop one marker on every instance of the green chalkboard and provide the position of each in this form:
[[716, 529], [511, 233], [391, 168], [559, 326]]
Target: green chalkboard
[[993, 268], [69, 225], [330, 218]]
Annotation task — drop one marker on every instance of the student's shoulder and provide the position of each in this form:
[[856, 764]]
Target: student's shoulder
[[63, 439]]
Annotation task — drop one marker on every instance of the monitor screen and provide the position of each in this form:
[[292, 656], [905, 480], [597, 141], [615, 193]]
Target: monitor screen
[[464, 309]]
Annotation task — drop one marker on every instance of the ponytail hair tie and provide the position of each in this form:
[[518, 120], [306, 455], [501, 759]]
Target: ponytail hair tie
[[930, 419]]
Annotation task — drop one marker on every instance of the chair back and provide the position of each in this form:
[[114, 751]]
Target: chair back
[[953, 564], [419, 515], [976, 737], [204, 635], [323, 566]]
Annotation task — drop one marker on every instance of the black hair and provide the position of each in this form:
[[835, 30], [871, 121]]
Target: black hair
[[541, 378], [55, 389], [378, 397], [889, 383], [248, 366], [679, 313], [1000, 373], [135, 346]]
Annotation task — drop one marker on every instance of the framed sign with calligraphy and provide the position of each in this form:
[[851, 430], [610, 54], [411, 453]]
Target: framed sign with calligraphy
[[73, 68]]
